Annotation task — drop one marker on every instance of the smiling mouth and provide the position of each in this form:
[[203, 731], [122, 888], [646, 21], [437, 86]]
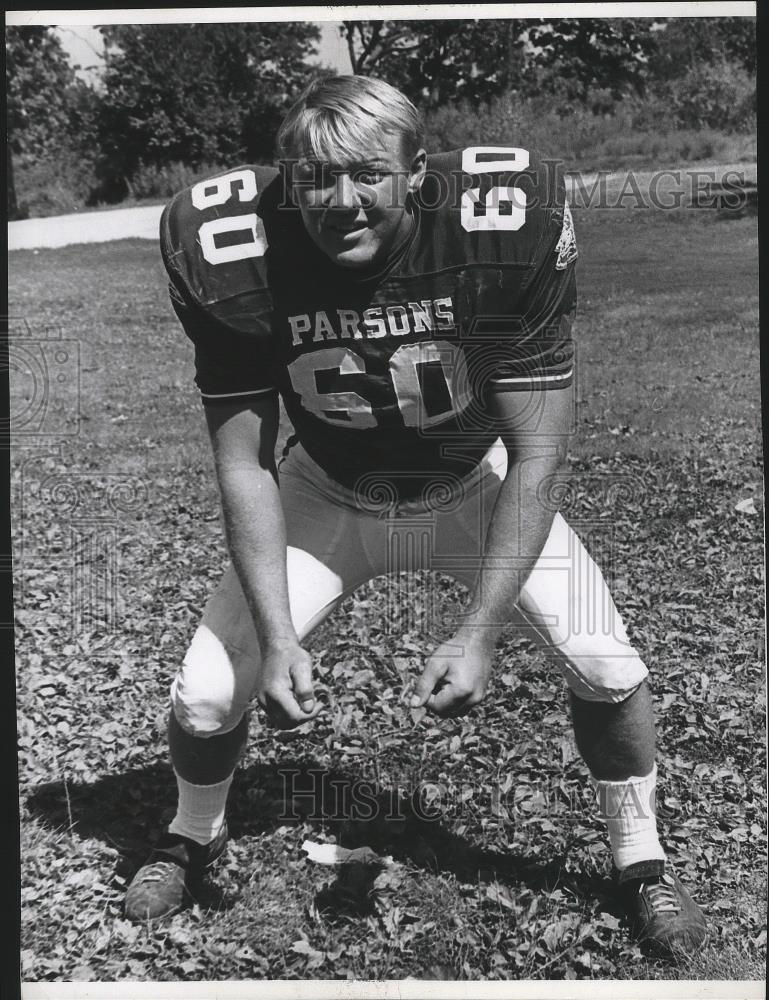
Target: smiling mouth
[[344, 228]]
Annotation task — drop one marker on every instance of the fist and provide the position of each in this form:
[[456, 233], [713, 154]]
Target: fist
[[454, 680], [284, 689]]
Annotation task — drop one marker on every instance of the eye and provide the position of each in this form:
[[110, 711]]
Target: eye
[[313, 173], [368, 176]]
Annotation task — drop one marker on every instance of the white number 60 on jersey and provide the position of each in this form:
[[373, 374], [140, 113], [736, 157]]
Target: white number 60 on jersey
[[216, 192], [492, 219]]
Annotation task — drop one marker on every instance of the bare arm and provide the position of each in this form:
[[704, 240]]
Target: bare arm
[[243, 440], [534, 431]]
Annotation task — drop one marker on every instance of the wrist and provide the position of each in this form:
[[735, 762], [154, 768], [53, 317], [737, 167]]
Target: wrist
[[278, 642], [477, 636]]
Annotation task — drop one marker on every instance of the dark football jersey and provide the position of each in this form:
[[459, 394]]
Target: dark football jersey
[[385, 375]]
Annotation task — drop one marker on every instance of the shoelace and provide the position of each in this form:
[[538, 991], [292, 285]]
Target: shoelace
[[661, 896], [156, 871]]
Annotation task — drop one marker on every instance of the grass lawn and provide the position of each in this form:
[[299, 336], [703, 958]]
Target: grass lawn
[[118, 543]]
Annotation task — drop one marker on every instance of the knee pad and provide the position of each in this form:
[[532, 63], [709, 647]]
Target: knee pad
[[202, 715], [205, 696], [595, 677], [203, 712]]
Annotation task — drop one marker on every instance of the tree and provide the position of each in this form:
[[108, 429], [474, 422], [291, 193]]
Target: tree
[[436, 61], [49, 115], [703, 71], [579, 55], [444, 60], [39, 85], [689, 42], [201, 93]]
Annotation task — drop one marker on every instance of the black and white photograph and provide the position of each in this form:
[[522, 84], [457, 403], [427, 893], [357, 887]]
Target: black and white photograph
[[387, 504]]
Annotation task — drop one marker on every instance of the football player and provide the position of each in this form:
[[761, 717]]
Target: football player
[[414, 314]]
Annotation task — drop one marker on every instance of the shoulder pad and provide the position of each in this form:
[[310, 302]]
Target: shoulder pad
[[214, 236], [490, 204]]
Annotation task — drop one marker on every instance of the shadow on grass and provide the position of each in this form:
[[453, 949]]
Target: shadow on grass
[[128, 811]]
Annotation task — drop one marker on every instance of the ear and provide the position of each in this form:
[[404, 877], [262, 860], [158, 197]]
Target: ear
[[417, 169]]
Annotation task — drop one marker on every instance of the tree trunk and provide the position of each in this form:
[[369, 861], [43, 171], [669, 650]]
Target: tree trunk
[[351, 48]]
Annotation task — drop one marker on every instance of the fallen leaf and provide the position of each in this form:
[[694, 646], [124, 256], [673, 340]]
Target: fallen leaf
[[302, 947], [498, 894], [333, 854]]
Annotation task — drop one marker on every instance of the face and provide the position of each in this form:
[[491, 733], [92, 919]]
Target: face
[[356, 211]]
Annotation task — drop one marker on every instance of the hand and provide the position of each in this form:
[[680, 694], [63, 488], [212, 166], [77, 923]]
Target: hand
[[455, 678], [284, 689]]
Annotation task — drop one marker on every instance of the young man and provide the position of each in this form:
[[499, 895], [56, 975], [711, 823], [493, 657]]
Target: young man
[[414, 313]]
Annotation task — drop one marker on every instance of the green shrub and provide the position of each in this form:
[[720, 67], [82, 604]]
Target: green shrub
[[152, 181], [53, 185], [69, 184], [719, 96], [652, 131]]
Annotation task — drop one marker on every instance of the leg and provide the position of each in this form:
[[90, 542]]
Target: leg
[[207, 733], [616, 740], [332, 549], [566, 607], [326, 558], [614, 730], [210, 694], [206, 761]]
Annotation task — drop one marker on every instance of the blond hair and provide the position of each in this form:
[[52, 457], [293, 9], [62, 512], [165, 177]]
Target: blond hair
[[341, 117]]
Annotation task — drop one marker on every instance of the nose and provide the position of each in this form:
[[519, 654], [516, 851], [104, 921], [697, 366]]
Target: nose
[[344, 194]]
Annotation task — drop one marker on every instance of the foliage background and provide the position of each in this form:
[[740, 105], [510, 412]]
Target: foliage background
[[175, 102]]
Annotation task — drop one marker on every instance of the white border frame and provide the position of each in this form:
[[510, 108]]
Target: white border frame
[[407, 989]]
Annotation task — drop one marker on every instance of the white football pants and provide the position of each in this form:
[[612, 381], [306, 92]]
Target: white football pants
[[334, 546]]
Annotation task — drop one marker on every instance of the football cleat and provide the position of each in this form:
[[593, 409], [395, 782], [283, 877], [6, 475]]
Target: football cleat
[[660, 911], [166, 882]]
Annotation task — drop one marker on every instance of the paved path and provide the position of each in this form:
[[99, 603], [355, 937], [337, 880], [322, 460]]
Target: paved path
[[142, 222], [85, 227]]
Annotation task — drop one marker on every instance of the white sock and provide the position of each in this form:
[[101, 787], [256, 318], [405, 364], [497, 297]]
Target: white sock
[[629, 809], [200, 813]]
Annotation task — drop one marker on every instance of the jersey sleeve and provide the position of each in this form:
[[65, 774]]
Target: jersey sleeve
[[228, 367], [537, 350], [213, 245]]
